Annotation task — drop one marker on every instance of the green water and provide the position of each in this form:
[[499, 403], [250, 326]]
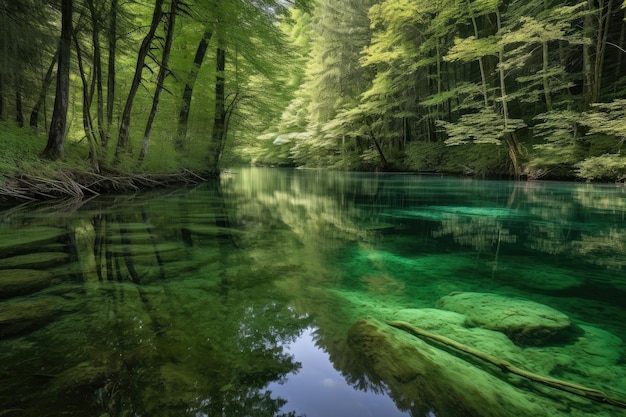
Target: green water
[[235, 298]]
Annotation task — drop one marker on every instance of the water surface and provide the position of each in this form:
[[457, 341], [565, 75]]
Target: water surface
[[235, 298]]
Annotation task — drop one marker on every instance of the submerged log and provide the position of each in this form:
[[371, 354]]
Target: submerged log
[[429, 379], [590, 393]]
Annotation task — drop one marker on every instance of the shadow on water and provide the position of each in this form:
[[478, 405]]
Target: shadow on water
[[245, 297]]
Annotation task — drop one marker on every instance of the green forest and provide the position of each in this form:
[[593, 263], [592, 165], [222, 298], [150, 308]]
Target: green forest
[[530, 89]]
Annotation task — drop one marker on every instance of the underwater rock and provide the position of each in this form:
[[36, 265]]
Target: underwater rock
[[460, 328], [18, 316], [523, 321], [423, 377], [24, 239], [547, 278], [34, 260], [382, 284], [84, 375], [14, 282]]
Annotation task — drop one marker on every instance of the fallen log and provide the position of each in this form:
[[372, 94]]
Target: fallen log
[[579, 390]]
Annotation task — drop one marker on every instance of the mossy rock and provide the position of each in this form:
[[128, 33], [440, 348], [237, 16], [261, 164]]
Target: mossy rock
[[423, 377], [20, 316], [15, 240], [523, 321], [34, 260], [14, 282], [85, 375], [547, 278]]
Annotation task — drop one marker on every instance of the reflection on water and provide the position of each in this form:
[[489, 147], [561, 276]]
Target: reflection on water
[[318, 389], [200, 302]]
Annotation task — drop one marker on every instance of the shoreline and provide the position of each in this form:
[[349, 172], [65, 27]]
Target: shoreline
[[68, 183]]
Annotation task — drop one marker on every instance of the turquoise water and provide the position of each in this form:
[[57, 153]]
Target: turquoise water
[[236, 298]]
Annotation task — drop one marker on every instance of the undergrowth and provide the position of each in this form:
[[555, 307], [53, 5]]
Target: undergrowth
[[21, 153]]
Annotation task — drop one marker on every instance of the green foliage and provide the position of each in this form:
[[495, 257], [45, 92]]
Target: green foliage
[[607, 118], [347, 85], [604, 167], [482, 160], [560, 132], [426, 156], [486, 126]]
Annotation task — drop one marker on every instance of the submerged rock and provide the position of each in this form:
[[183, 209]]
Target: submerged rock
[[431, 381], [523, 321], [547, 278], [18, 316], [35, 260], [14, 282]]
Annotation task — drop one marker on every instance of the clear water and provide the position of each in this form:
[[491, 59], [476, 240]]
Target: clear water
[[235, 298]]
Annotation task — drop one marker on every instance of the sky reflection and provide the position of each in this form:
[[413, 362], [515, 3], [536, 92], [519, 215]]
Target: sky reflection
[[319, 390]]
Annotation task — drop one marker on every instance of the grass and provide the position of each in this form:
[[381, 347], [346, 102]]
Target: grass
[[21, 148], [21, 153]]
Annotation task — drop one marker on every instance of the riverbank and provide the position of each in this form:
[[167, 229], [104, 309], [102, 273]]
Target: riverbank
[[26, 176], [68, 183]]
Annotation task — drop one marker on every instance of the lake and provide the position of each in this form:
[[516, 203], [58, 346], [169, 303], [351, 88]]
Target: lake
[[253, 296]]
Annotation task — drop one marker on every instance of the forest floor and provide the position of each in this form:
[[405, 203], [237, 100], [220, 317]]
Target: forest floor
[[26, 176]]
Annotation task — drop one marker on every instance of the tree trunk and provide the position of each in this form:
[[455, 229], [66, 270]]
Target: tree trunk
[[97, 67], [546, 79], [163, 71], [1, 98], [510, 137], [144, 49], [588, 33], [56, 137], [87, 100], [219, 121], [112, 38], [481, 64], [19, 114], [185, 105], [603, 34], [595, 31], [34, 115]]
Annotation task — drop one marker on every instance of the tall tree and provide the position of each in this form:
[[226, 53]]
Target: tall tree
[[48, 78], [96, 15], [112, 43], [144, 50], [170, 25], [190, 82], [219, 120], [56, 137]]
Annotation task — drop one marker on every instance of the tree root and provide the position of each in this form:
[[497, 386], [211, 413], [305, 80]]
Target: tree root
[[505, 366], [73, 184]]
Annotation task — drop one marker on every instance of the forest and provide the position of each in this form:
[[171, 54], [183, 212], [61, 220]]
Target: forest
[[531, 89]]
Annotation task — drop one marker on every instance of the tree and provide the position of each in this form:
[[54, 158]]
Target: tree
[[112, 41], [48, 78], [144, 50], [56, 136], [334, 79], [163, 71], [190, 81], [26, 50]]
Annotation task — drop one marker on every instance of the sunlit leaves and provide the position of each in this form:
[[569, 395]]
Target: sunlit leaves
[[470, 49], [608, 118], [559, 129], [486, 126], [607, 166]]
